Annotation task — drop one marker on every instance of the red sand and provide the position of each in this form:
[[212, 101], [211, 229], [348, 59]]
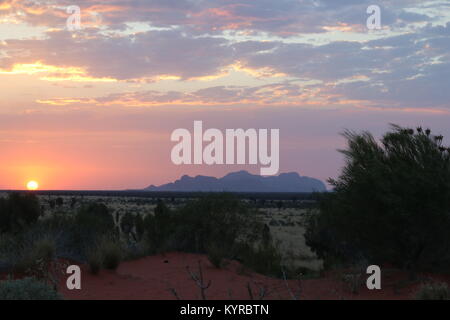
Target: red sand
[[154, 277]]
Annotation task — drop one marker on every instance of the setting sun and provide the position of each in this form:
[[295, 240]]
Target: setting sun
[[32, 185]]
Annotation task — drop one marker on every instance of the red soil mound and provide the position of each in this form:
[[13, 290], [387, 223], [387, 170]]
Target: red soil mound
[[165, 276]]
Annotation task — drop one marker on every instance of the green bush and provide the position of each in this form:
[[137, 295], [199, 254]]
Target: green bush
[[110, 252], [45, 249], [95, 262], [265, 259], [217, 219], [18, 211], [42, 252], [91, 222], [139, 225], [433, 291], [157, 228], [95, 218], [27, 289], [390, 204], [216, 255]]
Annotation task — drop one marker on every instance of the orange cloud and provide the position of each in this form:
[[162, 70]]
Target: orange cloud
[[54, 73], [265, 72]]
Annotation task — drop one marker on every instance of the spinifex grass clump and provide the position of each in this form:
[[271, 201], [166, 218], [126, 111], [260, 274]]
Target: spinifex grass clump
[[40, 252], [27, 289], [107, 254], [111, 251]]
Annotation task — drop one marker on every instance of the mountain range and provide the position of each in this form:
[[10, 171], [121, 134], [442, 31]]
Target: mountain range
[[243, 181]]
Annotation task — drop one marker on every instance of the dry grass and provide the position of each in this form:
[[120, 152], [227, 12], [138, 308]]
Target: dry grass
[[288, 230]]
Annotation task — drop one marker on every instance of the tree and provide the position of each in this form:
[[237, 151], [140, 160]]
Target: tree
[[95, 218], [18, 211], [390, 204], [59, 202], [156, 227]]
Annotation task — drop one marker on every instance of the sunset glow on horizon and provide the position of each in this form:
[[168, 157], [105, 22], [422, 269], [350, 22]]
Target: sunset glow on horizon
[[93, 109]]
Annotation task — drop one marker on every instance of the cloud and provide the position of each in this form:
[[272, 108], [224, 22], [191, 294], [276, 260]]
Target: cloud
[[400, 69], [146, 55], [281, 17]]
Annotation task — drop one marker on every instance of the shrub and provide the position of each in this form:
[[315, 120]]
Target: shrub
[[43, 251], [215, 255], [90, 223], [95, 262], [9, 254], [353, 281], [127, 223], [95, 218], [433, 291], [390, 204], [219, 225], [218, 219], [110, 252], [27, 289], [18, 211], [136, 250], [158, 228], [139, 225], [265, 259], [40, 261]]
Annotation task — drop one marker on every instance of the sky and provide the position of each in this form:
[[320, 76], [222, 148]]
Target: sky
[[94, 108]]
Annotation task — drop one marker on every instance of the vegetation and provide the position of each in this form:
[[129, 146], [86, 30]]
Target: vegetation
[[95, 262], [110, 252], [219, 225], [27, 289], [18, 211], [390, 204], [433, 291], [216, 255]]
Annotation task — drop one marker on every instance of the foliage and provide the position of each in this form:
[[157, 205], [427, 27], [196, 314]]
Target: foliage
[[219, 219], [43, 249], [219, 225], [90, 223], [18, 211], [390, 204], [27, 289], [110, 252], [216, 255], [95, 262], [96, 218], [433, 291], [264, 259], [107, 253], [157, 227], [40, 261]]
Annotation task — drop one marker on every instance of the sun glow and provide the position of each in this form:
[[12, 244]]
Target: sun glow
[[54, 73], [32, 185]]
